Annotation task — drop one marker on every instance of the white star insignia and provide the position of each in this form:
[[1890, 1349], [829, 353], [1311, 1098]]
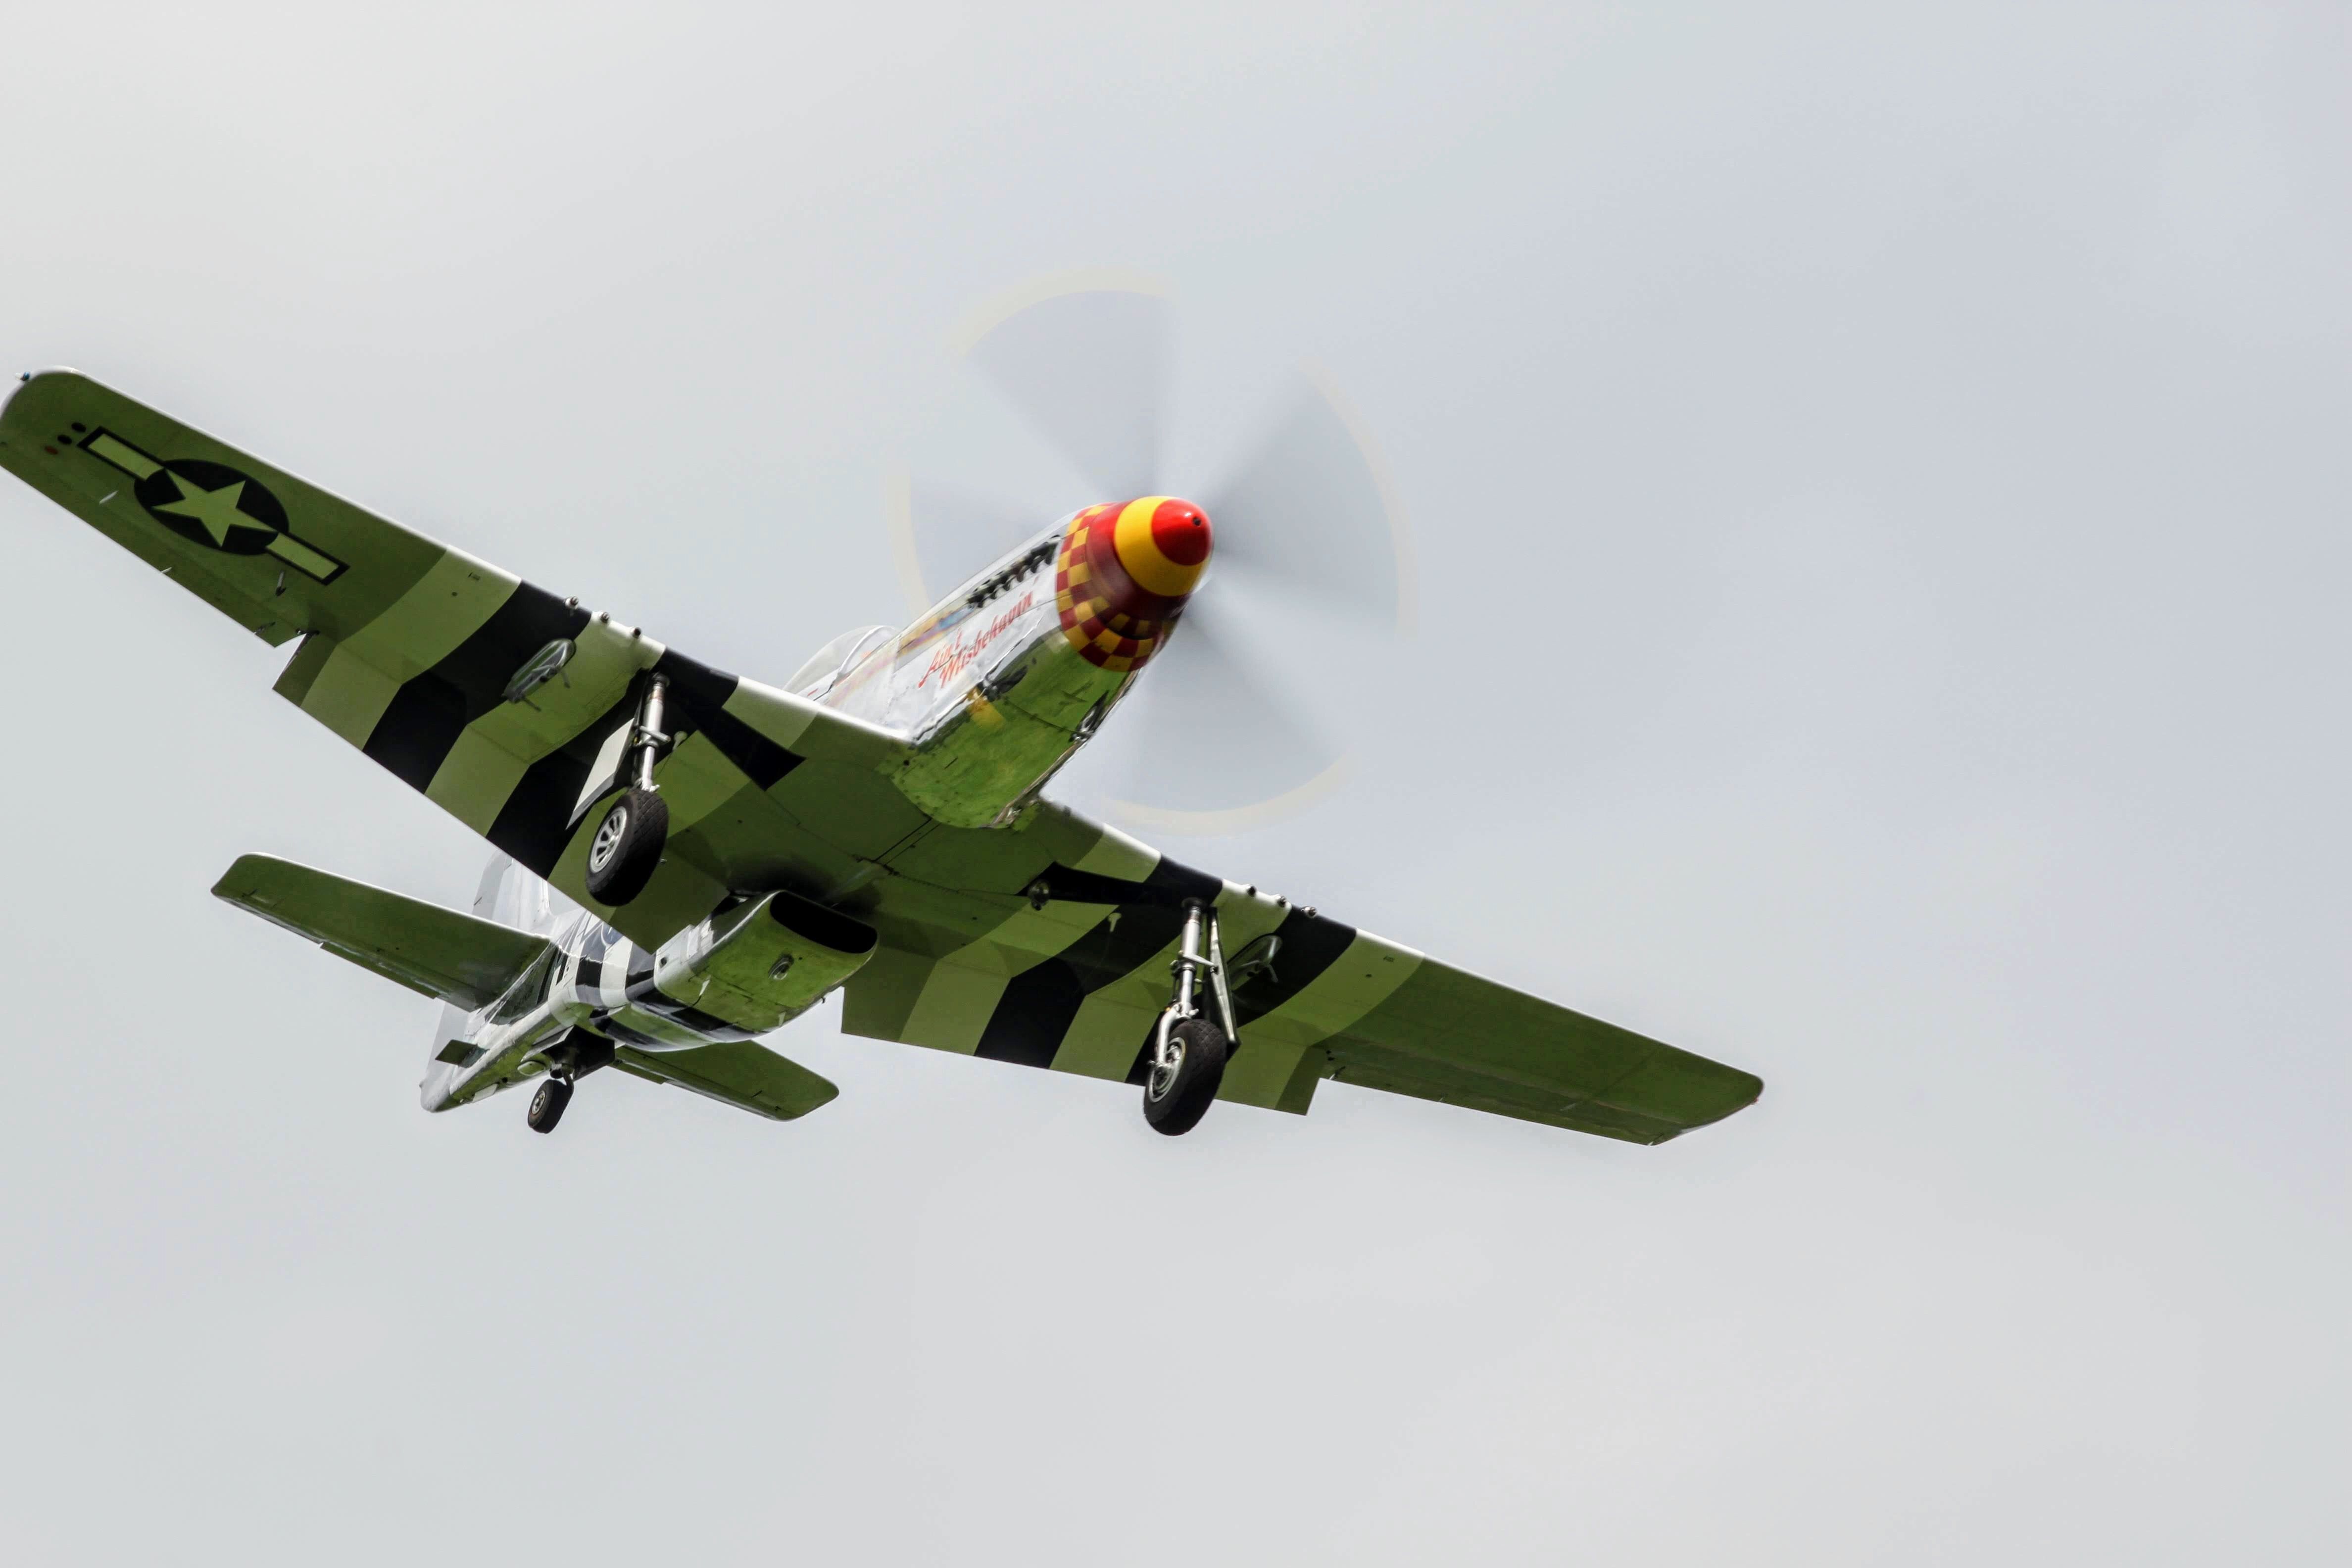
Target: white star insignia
[[217, 510]]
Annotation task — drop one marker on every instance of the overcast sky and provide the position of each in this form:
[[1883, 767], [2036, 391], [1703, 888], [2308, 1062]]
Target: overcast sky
[[1879, 476]]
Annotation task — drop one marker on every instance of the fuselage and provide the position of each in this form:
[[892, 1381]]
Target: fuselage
[[995, 687], [591, 978]]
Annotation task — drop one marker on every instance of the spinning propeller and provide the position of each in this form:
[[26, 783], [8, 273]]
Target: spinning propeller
[[1311, 573]]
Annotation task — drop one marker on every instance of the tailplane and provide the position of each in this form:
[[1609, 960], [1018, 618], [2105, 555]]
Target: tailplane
[[492, 971], [464, 960]]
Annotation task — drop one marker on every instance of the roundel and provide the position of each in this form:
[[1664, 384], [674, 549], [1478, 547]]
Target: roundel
[[213, 505]]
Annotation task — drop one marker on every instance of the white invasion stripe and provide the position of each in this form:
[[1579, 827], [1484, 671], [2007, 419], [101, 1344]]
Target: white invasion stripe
[[1117, 855], [1027, 935], [1364, 976], [953, 1008], [1108, 1030], [1244, 916], [1358, 981], [613, 981]]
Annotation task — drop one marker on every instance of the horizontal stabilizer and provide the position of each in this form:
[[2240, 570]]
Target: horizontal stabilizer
[[747, 1076], [465, 961]]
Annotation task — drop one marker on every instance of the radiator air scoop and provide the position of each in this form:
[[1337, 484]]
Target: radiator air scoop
[[764, 963]]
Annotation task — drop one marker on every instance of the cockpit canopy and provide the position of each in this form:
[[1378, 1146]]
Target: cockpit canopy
[[832, 664]]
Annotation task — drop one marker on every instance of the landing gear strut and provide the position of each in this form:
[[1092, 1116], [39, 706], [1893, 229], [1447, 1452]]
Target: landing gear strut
[[1190, 1046], [628, 842]]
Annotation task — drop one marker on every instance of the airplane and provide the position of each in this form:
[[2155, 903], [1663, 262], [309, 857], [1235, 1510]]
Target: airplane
[[687, 860]]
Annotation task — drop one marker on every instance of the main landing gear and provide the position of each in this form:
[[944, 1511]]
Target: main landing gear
[[628, 842], [1190, 1046]]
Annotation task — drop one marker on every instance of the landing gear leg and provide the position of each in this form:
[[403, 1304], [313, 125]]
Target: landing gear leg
[[629, 840], [1190, 1048]]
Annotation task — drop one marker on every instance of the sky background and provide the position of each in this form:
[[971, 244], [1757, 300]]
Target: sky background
[[1879, 476]]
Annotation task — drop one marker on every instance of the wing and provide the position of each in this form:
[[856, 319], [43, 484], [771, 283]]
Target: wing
[[751, 1078], [1446, 1034], [412, 652], [1051, 947], [463, 960]]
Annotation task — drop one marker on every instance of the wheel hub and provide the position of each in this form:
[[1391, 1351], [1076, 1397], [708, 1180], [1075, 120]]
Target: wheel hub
[[1166, 1063], [607, 841]]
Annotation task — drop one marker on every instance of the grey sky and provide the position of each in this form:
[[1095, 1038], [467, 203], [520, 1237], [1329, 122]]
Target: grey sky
[[1880, 488]]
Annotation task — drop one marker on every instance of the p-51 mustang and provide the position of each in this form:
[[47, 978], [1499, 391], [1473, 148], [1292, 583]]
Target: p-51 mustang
[[688, 860]]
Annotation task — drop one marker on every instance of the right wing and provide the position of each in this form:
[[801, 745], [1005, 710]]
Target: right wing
[[417, 653], [746, 1076]]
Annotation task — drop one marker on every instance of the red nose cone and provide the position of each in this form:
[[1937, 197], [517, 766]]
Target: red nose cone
[[1181, 532]]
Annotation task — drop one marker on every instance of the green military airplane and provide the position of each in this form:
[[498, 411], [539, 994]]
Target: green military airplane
[[688, 860]]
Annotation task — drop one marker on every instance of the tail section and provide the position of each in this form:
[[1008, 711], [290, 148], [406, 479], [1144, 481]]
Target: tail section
[[516, 1003]]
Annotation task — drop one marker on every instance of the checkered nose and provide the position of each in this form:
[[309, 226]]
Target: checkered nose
[[1124, 572]]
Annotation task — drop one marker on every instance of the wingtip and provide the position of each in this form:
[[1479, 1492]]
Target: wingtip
[[27, 377], [237, 881]]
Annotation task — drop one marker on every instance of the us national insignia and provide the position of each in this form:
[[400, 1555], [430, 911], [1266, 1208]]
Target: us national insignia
[[211, 504]]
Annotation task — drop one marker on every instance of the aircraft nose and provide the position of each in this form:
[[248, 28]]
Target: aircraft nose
[[1164, 543]]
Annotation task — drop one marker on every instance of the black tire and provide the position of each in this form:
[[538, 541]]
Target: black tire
[[547, 1105], [626, 847], [1185, 1098]]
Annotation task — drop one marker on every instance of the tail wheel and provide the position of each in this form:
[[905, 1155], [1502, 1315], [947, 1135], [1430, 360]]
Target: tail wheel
[[627, 847], [1183, 1077], [547, 1105]]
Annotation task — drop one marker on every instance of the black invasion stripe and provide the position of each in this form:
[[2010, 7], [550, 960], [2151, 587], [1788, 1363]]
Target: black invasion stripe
[[535, 822], [698, 697], [1039, 1005], [430, 711], [1035, 1011], [1169, 885], [1310, 944]]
